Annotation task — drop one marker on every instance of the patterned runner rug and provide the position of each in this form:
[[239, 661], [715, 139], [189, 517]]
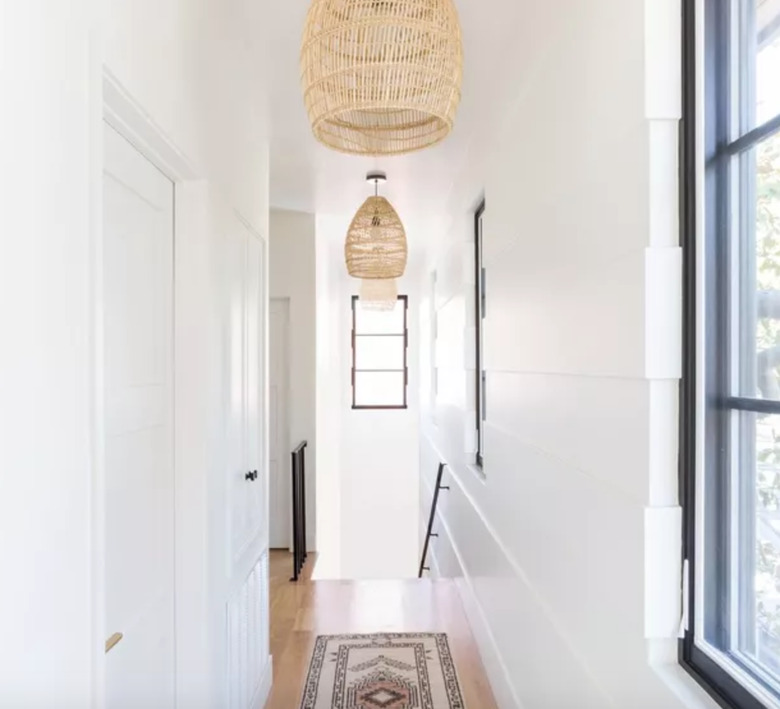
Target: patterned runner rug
[[385, 671]]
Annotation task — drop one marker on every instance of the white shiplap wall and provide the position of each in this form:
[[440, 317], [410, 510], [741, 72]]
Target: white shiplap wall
[[582, 350]]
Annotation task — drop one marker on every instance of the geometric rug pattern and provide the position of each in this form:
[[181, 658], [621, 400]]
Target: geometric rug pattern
[[382, 671]]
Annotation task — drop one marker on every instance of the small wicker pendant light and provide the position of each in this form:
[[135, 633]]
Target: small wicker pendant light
[[379, 293], [376, 240], [381, 77]]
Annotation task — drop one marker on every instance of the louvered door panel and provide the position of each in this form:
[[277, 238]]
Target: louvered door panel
[[248, 639]]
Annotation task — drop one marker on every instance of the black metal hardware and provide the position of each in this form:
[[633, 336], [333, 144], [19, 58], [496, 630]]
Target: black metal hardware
[[251, 475], [430, 533], [299, 509], [480, 294]]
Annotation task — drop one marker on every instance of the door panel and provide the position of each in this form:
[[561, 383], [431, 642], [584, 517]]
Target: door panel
[[235, 341], [255, 376], [248, 636], [246, 611], [279, 468], [139, 488], [248, 498]]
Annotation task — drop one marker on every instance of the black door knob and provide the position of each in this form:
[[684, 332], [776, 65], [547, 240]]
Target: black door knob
[[249, 476]]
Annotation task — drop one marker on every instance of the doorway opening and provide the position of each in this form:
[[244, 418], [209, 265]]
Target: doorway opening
[[279, 406]]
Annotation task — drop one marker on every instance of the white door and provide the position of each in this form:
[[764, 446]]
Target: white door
[[139, 487], [235, 342], [281, 495], [257, 496], [247, 475], [247, 478]]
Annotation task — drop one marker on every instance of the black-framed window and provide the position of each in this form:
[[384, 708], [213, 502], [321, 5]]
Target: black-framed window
[[479, 302], [380, 368], [730, 453]]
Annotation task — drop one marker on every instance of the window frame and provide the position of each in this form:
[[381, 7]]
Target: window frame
[[706, 394], [480, 402], [405, 335]]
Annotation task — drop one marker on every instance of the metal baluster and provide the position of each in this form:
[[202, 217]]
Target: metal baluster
[[434, 505], [295, 516]]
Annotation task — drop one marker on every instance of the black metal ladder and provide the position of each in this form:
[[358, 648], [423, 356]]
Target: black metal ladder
[[430, 533]]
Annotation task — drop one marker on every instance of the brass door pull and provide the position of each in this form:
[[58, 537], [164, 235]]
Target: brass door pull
[[113, 641]]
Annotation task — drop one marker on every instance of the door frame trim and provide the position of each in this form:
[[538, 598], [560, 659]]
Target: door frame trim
[[128, 117], [286, 301]]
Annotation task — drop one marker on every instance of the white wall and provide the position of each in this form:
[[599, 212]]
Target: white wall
[[368, 461], [328, 383], [46, 355], [292, 276], [198, 68], [195, 68], [582, 351]]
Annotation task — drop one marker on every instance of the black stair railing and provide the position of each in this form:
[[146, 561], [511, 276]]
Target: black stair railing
[[299, 509], [434, 504]]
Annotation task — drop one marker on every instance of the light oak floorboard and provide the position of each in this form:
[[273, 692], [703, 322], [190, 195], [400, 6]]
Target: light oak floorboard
[[300, 612]]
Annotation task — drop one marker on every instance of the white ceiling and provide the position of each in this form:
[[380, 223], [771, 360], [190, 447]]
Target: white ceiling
[[308, 177]]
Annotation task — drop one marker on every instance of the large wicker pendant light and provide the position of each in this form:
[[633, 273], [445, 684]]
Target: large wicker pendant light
[[381, 77], [379, 293], [376, 241]]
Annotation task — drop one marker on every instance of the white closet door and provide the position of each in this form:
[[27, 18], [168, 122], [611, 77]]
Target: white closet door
[[235, 342], [257, 518], [247, 607], [247, 499], [139, 504]]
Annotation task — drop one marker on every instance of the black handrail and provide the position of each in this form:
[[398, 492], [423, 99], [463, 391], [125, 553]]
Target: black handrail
[[434, 505], [299, 509]]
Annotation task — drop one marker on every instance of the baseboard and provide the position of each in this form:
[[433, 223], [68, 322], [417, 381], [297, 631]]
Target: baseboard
[[264, 688], [496, 670]]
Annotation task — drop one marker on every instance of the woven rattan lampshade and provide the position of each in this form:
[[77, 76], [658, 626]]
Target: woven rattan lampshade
[[379, 293], [381, 77], [376, 241]]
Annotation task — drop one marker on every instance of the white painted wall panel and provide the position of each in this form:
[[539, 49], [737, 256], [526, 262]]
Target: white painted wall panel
[[47, 158], [582, 356], [545, 319], [503, 594], [581, 421]]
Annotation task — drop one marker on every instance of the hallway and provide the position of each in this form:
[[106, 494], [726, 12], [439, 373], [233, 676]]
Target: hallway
[[487, 283], [300, 612]]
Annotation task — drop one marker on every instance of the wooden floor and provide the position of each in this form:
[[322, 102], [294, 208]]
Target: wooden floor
[[300, 612]]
